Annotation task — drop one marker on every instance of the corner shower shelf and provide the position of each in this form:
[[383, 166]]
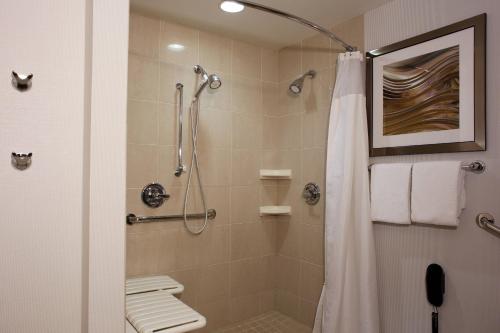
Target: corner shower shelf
[[275, 174], [275, 210]]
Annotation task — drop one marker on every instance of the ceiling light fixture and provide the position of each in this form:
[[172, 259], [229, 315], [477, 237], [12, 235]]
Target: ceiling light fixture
[[231, 6]]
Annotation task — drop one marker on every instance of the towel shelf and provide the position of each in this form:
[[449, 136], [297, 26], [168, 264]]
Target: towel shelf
[[487, 221]]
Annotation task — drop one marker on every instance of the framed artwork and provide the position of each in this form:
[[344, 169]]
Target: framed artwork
[[427, 94]]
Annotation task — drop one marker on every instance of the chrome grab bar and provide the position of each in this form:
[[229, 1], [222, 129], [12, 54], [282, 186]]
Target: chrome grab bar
[[180, 166], [487, 221], [132, 219]]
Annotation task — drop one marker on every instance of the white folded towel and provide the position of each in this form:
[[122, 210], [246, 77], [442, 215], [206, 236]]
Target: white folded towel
[[438, 192], [390, 192]]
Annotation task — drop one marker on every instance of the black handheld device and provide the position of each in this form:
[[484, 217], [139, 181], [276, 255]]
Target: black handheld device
[[434, 283]]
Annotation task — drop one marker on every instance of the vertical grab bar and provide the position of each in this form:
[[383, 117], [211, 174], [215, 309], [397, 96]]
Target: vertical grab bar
[[180, 166]]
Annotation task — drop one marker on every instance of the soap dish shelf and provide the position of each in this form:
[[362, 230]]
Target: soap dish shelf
[[275, 174], [275, 210]]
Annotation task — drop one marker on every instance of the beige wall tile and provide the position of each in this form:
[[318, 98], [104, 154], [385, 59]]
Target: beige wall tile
[[289, 62], [315, 128], [142, 78], [315, 170], [187, 251], [312, 243], [217, 313], [215, 245], [288, 274], [311, 281], [168, 164], [316, 53], [214, 283], [215, 52], [191, 280], [142, 254], [142, 122], [307, 313], [270, 98], [267, 301], [214, 129], [246, 277], [167, 124], [142, 165], [218, 199], [288, 102], [247, 131], [214, 166], [167, 239], [317, 93], [288, 237], [270, 65], [246, 60], [245, 166], [243, 241], [244, 203], [246, 95], [244, 307], [144, 35], [287, 303], [176, 34], [170, 75]]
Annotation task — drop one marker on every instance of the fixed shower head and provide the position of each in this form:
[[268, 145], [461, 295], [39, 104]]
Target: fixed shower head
[[213, 80], [296, 86]]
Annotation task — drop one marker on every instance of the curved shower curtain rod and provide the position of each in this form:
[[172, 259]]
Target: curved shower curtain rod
[[349, 48]]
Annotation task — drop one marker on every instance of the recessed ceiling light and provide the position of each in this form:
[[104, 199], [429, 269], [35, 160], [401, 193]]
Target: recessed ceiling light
[[231, 6], [175, 47]]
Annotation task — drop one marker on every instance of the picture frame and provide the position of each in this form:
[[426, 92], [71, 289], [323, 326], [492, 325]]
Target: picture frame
[[427, 94]]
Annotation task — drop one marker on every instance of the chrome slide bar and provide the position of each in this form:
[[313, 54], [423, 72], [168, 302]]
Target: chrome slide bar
[[132, 219], [312, 25], [180, 166]]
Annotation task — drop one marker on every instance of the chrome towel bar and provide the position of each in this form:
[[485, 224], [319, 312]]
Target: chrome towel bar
[[487, 221], [132, 219], [475, 167]]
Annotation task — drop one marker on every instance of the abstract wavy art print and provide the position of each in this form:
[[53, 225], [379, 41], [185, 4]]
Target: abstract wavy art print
[[422, 94]]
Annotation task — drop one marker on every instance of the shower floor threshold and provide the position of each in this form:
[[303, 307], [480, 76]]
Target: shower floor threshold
[[269, 322]]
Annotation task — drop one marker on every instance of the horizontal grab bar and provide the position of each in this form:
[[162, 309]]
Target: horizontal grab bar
[[132, 219], [487, 222]]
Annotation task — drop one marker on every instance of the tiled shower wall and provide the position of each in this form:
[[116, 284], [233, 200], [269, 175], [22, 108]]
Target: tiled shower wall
[[226, 270], [295, 136], [242, 265]]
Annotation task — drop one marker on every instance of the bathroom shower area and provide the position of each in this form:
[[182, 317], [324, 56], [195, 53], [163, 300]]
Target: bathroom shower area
[[241, 126]]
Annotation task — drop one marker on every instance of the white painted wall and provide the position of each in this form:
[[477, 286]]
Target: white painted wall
[[41, 208], [469, 255], [62, 223]]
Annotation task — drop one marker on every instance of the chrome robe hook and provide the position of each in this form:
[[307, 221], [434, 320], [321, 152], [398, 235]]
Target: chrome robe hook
[[20, 81]]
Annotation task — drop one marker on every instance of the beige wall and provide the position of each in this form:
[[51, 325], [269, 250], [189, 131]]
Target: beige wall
[[42, 270], [224, 270], [469, 255], [243, 264], [295, 134]]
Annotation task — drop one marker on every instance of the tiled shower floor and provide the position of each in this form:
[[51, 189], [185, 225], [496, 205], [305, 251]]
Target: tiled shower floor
[[270, 322]]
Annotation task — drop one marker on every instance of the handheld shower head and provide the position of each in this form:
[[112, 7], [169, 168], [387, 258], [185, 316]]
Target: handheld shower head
[[213, 80], [296, 86]]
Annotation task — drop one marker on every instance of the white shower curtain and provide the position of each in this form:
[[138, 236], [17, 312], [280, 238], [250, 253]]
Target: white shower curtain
[[348, 301]]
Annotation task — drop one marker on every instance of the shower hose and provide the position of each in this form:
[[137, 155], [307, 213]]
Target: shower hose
[[194, 167]]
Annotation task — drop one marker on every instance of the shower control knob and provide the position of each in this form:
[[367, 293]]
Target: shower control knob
[[311, 193], [154, 195]]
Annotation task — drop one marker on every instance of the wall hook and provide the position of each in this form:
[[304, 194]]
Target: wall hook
[[20, 81], [21, 161]]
